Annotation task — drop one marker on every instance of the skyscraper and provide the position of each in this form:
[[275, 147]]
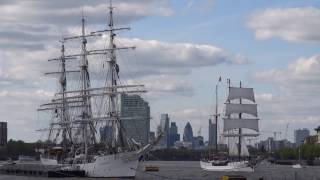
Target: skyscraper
[[3, 133], [212, 134], [164, 127], [173, 134], [187, 133], [135, 106], [300, 135]]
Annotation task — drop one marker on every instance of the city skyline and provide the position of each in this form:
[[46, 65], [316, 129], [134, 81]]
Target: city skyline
[[183, 47]]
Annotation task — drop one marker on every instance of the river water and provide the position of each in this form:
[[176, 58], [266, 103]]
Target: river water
[[190, 170]]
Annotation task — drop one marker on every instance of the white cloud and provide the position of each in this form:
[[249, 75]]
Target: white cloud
[[32, 24], [154, 57], [290, 24], [19, 109], [30, 29], [296, 102], [301, 77]]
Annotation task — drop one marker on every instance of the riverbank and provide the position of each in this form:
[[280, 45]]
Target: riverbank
[[190, 170]]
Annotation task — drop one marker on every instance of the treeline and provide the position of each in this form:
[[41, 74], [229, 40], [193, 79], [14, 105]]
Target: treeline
[[15, 148], [183, 154], [307, 152], [175, 155]]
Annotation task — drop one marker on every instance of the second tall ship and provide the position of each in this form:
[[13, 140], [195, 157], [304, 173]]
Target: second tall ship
[[237, 124], [72, 140]]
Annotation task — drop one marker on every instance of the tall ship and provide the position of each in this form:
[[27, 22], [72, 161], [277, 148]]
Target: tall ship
[[77, 113], [240, 121]]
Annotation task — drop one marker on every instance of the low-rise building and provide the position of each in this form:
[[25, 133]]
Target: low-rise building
[[314, 139]]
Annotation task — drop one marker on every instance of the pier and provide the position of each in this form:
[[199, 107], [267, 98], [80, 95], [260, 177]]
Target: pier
[[37, 169]]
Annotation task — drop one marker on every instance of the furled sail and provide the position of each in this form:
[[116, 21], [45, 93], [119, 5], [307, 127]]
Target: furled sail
[[232, 123], [241, 93], [241, 108]]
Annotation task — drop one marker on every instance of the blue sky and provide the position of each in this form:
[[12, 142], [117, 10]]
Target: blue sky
[[183, 46], [224, 24]]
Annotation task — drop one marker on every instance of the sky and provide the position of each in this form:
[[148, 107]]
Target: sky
[[182, 48]]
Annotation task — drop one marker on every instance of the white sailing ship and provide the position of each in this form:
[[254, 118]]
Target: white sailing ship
[[236, 120], [72, 141]]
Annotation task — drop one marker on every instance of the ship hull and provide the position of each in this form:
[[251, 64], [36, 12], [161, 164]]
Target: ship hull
[[120, 165], [241, 166], [112, 166]]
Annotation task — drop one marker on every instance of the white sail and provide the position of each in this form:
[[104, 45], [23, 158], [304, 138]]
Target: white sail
[[232, 146], [231, 123], [241, 93], [244, 148], [241, 108]]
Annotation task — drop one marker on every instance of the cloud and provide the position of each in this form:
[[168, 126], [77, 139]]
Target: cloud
[[290, 24], [295, 102], [154, 57], [62, 12], [29, 32], [33, 24], [19, 109], [160, 86], [300, 78]]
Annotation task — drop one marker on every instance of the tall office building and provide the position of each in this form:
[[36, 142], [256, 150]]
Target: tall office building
[[137, 129], [188, 133], [300, 135], [212, 134], [3, 133], [173, 134], [164, 128]]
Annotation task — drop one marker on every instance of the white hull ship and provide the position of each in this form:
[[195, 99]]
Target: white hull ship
[[234, 123], [120, 165], [72, 141], [242, 166]]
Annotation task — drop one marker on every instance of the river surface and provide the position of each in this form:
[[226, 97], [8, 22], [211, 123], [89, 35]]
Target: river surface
[[190, 170]]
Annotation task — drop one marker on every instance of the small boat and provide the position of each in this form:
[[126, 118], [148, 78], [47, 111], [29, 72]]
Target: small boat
[[297, 166]]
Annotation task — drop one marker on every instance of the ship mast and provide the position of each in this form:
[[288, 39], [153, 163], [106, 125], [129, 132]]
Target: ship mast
[[216, 117], [85, 84], [63, 84], [60, 107], [118, 139], [87, 128], [238, 123], [240, 131]]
